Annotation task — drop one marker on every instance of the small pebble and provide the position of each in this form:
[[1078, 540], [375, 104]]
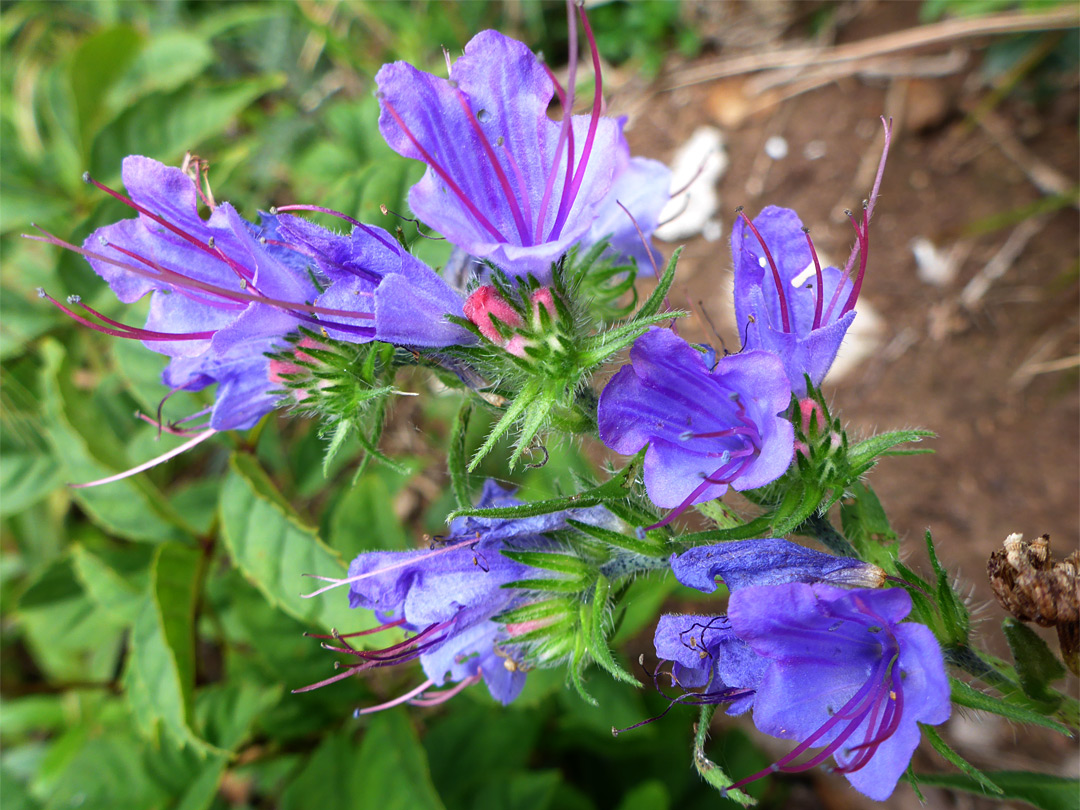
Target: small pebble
[[776, 147], [815, 150]]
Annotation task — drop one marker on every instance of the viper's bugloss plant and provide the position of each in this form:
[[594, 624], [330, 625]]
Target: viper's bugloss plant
[[534, 333]]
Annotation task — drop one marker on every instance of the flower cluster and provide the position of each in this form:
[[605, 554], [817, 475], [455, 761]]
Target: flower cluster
[[816, 645]]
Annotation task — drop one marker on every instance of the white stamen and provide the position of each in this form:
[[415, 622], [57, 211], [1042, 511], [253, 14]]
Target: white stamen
[[337, 583], [147, 465]]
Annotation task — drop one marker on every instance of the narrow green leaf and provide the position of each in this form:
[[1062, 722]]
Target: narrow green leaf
[[523, 401], [656, 299], [863, 454], [594, 615], [551, 584], [456, 455], [274, 549], [954, 613], [965, 695], [712, 773], [342, 429], [551, 561], [1036, 666], [1040, 790], [955, 759]]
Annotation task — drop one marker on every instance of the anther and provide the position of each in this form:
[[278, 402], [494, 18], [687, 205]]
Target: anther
[[210, 243], [273, 210], [74, 299], [86, 177], [41, 292]]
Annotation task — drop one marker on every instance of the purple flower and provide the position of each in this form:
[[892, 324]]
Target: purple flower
[[785, 302], [706, 429], [706, 654], [830, 668], [504, 181], [372, 274], [224, 292], [770, 561], [782, 303], [447, 597]]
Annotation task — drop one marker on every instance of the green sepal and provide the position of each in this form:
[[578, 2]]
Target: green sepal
[[593, 615], [955, 759], [1036, 665], [550, 584], [533, 611], [708, 770], [758, 527], [598, 348], [964, 694]]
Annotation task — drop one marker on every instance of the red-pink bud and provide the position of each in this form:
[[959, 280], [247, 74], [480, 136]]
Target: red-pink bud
[[486, 303]]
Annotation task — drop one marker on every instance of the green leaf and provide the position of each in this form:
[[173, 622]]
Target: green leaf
[[273, 548], [96, 65], [965, 695], [389, 771], [26, 478], [1036, 665], [954, 758], [865, 524], [551, 561], [456, 455], [1040, 790], [115, 593], [594, 618], [170, 59], [954, 613], [69, 636], [131, 508], [393, 767], [164, 126], [656, 300], [160, 674]]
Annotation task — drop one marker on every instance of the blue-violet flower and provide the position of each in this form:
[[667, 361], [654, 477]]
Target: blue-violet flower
[[785, 301], [505, 182], [706, 428]]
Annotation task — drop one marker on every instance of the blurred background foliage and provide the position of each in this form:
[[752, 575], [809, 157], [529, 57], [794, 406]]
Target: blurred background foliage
[[152, 629]]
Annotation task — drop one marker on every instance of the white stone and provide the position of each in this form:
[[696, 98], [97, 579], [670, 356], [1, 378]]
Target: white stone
[[697, 166]]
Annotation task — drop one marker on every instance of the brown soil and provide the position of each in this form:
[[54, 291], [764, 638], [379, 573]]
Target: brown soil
[[1006, 454]]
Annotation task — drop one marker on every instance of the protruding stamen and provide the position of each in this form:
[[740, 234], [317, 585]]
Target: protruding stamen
[[147, 465], [864, 251], [396, 701], [784, 317], [642, 237], [566, 131], [434, 699], [819, 299], [337, 583], [567, 201]]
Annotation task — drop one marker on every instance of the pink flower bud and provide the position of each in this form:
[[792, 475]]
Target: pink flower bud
[[486, 303]]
